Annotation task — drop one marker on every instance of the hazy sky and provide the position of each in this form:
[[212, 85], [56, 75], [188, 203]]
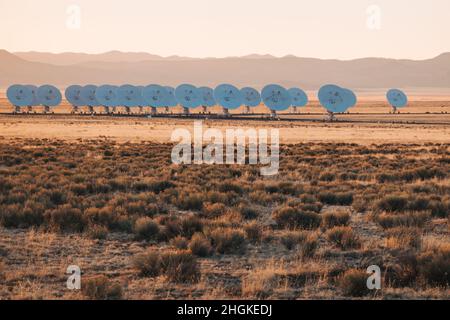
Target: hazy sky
[[342, 29]]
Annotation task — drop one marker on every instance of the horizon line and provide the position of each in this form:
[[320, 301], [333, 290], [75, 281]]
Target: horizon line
[[261, 55]]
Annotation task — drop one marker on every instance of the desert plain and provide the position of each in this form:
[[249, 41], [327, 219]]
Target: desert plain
[[101, 193]]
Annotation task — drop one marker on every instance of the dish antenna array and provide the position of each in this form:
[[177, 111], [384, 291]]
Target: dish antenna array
[[188, 97], [276, 98], [171, 99], [206, 98], [250, 98], [30, 96], [298, 98], [73, 96], [155, 96], [336, 99], [228, 96], [333, 98], [107, 96], [129, 97], [397, 99]]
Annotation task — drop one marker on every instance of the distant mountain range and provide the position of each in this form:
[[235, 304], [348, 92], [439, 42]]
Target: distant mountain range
[[117, 67]]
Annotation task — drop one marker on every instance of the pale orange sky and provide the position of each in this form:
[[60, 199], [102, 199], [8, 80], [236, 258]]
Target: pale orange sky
[[414, 29]]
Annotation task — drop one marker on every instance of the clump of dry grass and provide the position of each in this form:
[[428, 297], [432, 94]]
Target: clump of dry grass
[[177, 266], [97, 232], [146, 229], [292, 218], [101, 288], [434, 266], [260, 283], [228, 241], [334, 219], [200, 245], [253, 232], [66, 219], [343, 237], [410, 219], [180, 242], [404, 237], [354, 283]]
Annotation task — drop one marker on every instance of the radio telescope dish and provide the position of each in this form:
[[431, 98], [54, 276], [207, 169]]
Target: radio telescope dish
[[88, 95], [19, 96], [207, 96], [107, 96], [349, 99], [331, 97], [155, 96], [275, 97], [250, 97], [228, 96], [397, 98], [171, 100], [188, 96], [129, 96], [33, 89], [298, 97], [49, 96], [73, 95]]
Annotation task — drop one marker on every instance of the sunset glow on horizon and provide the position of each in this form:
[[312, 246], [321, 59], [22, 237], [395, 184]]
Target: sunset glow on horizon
[[410, 29]]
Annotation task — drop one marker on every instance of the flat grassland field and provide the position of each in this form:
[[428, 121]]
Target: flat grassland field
[[102, 193]]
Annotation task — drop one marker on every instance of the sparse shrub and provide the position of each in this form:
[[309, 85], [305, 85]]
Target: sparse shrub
[[308, 247], [14, 216], [200, 245], [66, 219], [230, 187], [290, 239], [104, 216], [260, 283], [403, 272], [152, 185], [190, 202], [248, 212], [191, 225], [439, 209], [253, 232], [179, 242], [97, 232], [393, 203], [146, 229], [212, 210], [327, 176], [434, 267], [333, 219], [339, 198], [412, 219], [343, 238], [180, 266], [403, 237], [100, 288], [418, 204], [360, 204], [228, 241], [354, 283], [292, 218], [148, 264]]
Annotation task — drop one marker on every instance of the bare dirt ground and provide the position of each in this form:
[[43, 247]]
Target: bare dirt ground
[[368, 122]]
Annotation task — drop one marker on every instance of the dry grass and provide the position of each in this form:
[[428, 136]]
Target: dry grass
[[140, 227]]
